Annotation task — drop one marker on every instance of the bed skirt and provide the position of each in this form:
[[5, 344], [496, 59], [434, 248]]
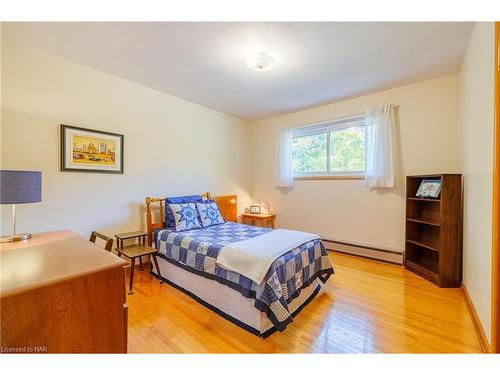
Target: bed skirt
[[227, 302]]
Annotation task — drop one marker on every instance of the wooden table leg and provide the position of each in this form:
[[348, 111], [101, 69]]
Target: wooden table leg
[[132, 265], [140, 264], [157, 268]]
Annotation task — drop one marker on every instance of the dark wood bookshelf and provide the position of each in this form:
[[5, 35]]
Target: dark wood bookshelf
[[433, 236]]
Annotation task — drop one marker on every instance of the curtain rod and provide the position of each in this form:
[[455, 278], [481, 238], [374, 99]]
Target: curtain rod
[[336, 119]]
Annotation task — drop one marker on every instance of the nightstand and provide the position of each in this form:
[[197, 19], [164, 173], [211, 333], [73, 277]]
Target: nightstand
[[262, 220], [137, 250]]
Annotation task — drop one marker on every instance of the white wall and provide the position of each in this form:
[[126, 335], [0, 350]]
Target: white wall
[[346, 210], [476, 110], [172, 146]]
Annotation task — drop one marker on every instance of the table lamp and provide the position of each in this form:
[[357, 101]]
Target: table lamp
[[19, 187]]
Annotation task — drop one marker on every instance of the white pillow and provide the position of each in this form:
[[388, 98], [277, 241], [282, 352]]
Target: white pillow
[[209, 214], [185, 216]]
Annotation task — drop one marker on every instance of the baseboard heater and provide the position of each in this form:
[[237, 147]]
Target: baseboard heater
[[391, 256]]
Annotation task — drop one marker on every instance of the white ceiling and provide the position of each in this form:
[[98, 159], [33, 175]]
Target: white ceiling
[[316, 63]]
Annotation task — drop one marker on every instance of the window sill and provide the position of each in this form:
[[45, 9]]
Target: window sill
[[340, 177]]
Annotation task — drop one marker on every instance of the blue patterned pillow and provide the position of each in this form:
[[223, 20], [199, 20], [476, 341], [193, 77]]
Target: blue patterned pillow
[[209, 214], [185, 216], [169, 216]]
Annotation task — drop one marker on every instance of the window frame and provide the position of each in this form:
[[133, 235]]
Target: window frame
[[327, 127]]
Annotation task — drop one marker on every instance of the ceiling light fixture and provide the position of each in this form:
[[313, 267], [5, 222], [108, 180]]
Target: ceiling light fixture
[[260, 62]]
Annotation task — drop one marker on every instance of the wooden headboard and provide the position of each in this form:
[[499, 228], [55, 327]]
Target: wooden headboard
[[155, 213]]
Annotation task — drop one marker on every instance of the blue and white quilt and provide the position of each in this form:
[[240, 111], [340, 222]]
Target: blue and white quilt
[[197, 251]]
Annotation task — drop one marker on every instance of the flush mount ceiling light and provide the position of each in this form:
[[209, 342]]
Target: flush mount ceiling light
[[260, 62]]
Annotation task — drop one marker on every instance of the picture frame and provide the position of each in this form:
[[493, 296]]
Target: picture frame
[[429, 188], [90, 150], [255, 210]]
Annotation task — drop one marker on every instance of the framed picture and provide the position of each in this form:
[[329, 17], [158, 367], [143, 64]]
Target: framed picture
[[429, 189], [87, 150], [255, 209]]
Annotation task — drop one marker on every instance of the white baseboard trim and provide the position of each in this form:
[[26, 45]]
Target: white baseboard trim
[[483, 339], [391, 256]]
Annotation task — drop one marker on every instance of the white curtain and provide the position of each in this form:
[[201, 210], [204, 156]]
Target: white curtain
[[284, 176], [380, 147]]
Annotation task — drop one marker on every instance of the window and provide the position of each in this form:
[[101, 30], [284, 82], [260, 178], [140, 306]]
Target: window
[[336, 148]]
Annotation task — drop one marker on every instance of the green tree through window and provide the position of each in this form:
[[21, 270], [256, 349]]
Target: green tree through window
[[347, 150], [309, 153], [335, 150]]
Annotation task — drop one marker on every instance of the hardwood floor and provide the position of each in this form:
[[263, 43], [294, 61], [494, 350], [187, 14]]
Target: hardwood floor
[[366, 307]]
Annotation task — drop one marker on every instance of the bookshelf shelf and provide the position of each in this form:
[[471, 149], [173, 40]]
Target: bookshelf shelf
[[424, 199], [423, 222], [421, 244]]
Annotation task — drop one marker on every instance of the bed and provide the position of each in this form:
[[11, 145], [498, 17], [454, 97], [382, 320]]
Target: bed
[[191, 261]]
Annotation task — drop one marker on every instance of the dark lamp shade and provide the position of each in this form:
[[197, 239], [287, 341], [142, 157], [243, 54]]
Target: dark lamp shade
[[20, 187]]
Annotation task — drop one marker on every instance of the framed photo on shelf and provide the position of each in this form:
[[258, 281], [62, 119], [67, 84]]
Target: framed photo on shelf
[[88, 150], [255, 210], [429, 189]]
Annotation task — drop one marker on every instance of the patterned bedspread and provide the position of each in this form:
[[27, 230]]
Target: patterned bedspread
[[197, 251]]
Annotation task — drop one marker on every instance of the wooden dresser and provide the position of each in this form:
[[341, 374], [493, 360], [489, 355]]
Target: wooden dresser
[[61, 294]]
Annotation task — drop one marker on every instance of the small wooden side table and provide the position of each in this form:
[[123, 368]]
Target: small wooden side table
[[264, 220], [137, 250]]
